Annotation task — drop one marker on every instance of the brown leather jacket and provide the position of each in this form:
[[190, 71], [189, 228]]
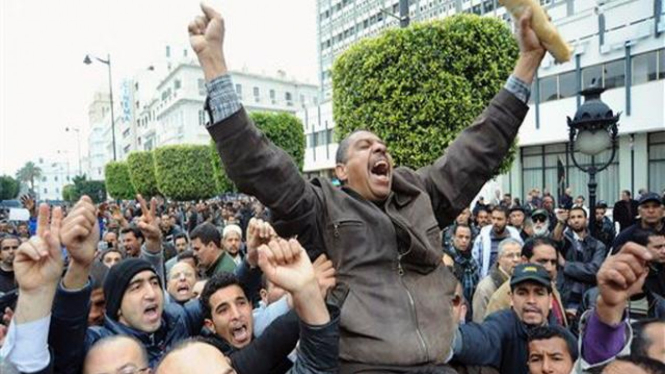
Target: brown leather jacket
[[397, 311]]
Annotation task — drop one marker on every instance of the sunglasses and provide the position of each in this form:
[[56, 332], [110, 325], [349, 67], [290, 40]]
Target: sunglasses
[[540, 219]]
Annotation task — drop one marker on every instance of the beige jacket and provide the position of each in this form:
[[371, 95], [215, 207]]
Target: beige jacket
[[486, 288]]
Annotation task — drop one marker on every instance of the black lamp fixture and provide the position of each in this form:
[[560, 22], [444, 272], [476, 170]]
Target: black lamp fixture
[[593, 130]]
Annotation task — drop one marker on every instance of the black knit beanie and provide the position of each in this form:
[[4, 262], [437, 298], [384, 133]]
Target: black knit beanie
[[117, 281]]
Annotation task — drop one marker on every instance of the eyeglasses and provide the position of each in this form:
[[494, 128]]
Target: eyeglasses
[[541, 219]]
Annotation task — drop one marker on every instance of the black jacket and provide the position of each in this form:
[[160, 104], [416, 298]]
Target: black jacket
[[625, 212], [580, 268]]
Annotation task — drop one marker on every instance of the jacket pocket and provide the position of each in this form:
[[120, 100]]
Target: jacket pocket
[[347, 235]]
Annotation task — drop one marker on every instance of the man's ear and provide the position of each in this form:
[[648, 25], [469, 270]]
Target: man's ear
[[208, 323], [340, 172]]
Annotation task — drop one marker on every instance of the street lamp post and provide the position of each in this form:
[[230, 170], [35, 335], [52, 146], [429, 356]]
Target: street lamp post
[[593, 130], [88, 61], [78, 140]]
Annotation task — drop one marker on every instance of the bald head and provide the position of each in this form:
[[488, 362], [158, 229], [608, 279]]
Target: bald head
[[115, 353], [195, 357]]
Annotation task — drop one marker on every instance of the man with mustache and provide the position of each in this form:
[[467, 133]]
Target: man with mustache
[[382, 228], [501, 340]]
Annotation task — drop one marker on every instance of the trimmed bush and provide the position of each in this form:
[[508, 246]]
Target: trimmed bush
[[142, 173], [418, 87], [118, 182], [183, 172], [70, 194], [285, 130]]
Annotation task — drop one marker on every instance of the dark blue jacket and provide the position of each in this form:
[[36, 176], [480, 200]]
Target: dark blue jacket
[[500, 341]]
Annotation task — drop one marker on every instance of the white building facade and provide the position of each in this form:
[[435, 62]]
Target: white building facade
[[620, 43], [57, 172]]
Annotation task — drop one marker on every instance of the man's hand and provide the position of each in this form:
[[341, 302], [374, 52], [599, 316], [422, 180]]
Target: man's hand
[[149, 225], [562, 215], [37, 267], [531, 50], [286, 264], [38, 262], [620, 277], [206, 36], [80, 232], [325, 274], [258, 233], [29, 204]]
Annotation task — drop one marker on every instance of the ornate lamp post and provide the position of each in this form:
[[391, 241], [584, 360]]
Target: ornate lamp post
[[593, 130]]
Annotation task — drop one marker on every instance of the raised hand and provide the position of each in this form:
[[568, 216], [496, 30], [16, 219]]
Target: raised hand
[[286, 264], [206, 36], [29, 204], [531, 49], [620, 277], [80, 232], [149, 224], [258, 233]]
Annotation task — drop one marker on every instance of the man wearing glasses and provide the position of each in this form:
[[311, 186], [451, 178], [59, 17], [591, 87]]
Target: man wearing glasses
[[8, 246]]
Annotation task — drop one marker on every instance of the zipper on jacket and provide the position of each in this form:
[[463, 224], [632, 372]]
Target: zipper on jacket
[[412, 303]]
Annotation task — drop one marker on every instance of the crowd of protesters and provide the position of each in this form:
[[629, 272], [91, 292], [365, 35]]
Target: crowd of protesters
[[393, 272]]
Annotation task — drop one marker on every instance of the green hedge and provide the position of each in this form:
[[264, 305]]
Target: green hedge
[[70, 194], [222, 181], [142, 173], [418, 87], [285, 130], [118, 182], [183, 172]]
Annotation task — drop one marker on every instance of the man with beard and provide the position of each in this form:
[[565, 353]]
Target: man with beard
[[486, 245], [580, 259], [232, 241], [651, 218], [625, 210], [132, 240], [501, 340], [541, 223], [483, 217], [8, 246], [548, 206]]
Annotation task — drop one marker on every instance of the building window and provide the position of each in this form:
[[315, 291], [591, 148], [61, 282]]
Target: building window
[[177, 84], [567, 85], [615, 74], [289, 98], [272, 96], [44, 179], [656, 151], [202, 117], [55, 179], [45, 190], [310, 140], [330, 136], [661, 64], [57, 190], [645, 67], [548, 89], [590, 75], [202, 87], [239, 90], [257, 94]]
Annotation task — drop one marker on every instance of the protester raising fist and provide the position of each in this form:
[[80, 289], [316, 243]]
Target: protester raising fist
[[206, 36]]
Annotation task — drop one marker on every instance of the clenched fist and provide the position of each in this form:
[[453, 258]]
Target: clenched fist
[[80, 232], [206, 36]]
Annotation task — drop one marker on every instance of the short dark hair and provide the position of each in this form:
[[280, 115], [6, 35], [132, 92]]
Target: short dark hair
[[134, 230], [180, 236], [343, 148], [8, 237], [649, 365], [531, 244], [626, 192], [579, 208], [461, 225], [186, 255], [642, 236], [555, 331], [206, 233], [217, 282], [502, 209], [641, 343]]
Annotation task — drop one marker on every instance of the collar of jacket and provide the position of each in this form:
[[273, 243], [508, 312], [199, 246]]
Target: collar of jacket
[[148, 339]]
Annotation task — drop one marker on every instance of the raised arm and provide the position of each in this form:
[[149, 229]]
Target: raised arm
[[37, 268], [474, 156]]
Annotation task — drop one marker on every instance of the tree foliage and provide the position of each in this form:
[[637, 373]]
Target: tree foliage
[[29, 173], [118, 181], [9, 187], [96, 190], [184, 172], [222, 181], [418, 87], [285, 130], [142, 173]]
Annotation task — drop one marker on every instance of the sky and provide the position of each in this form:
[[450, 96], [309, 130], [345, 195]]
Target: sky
[[45, 87]]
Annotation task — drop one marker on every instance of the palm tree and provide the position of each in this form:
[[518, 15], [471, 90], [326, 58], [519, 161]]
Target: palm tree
[[28, 173]]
